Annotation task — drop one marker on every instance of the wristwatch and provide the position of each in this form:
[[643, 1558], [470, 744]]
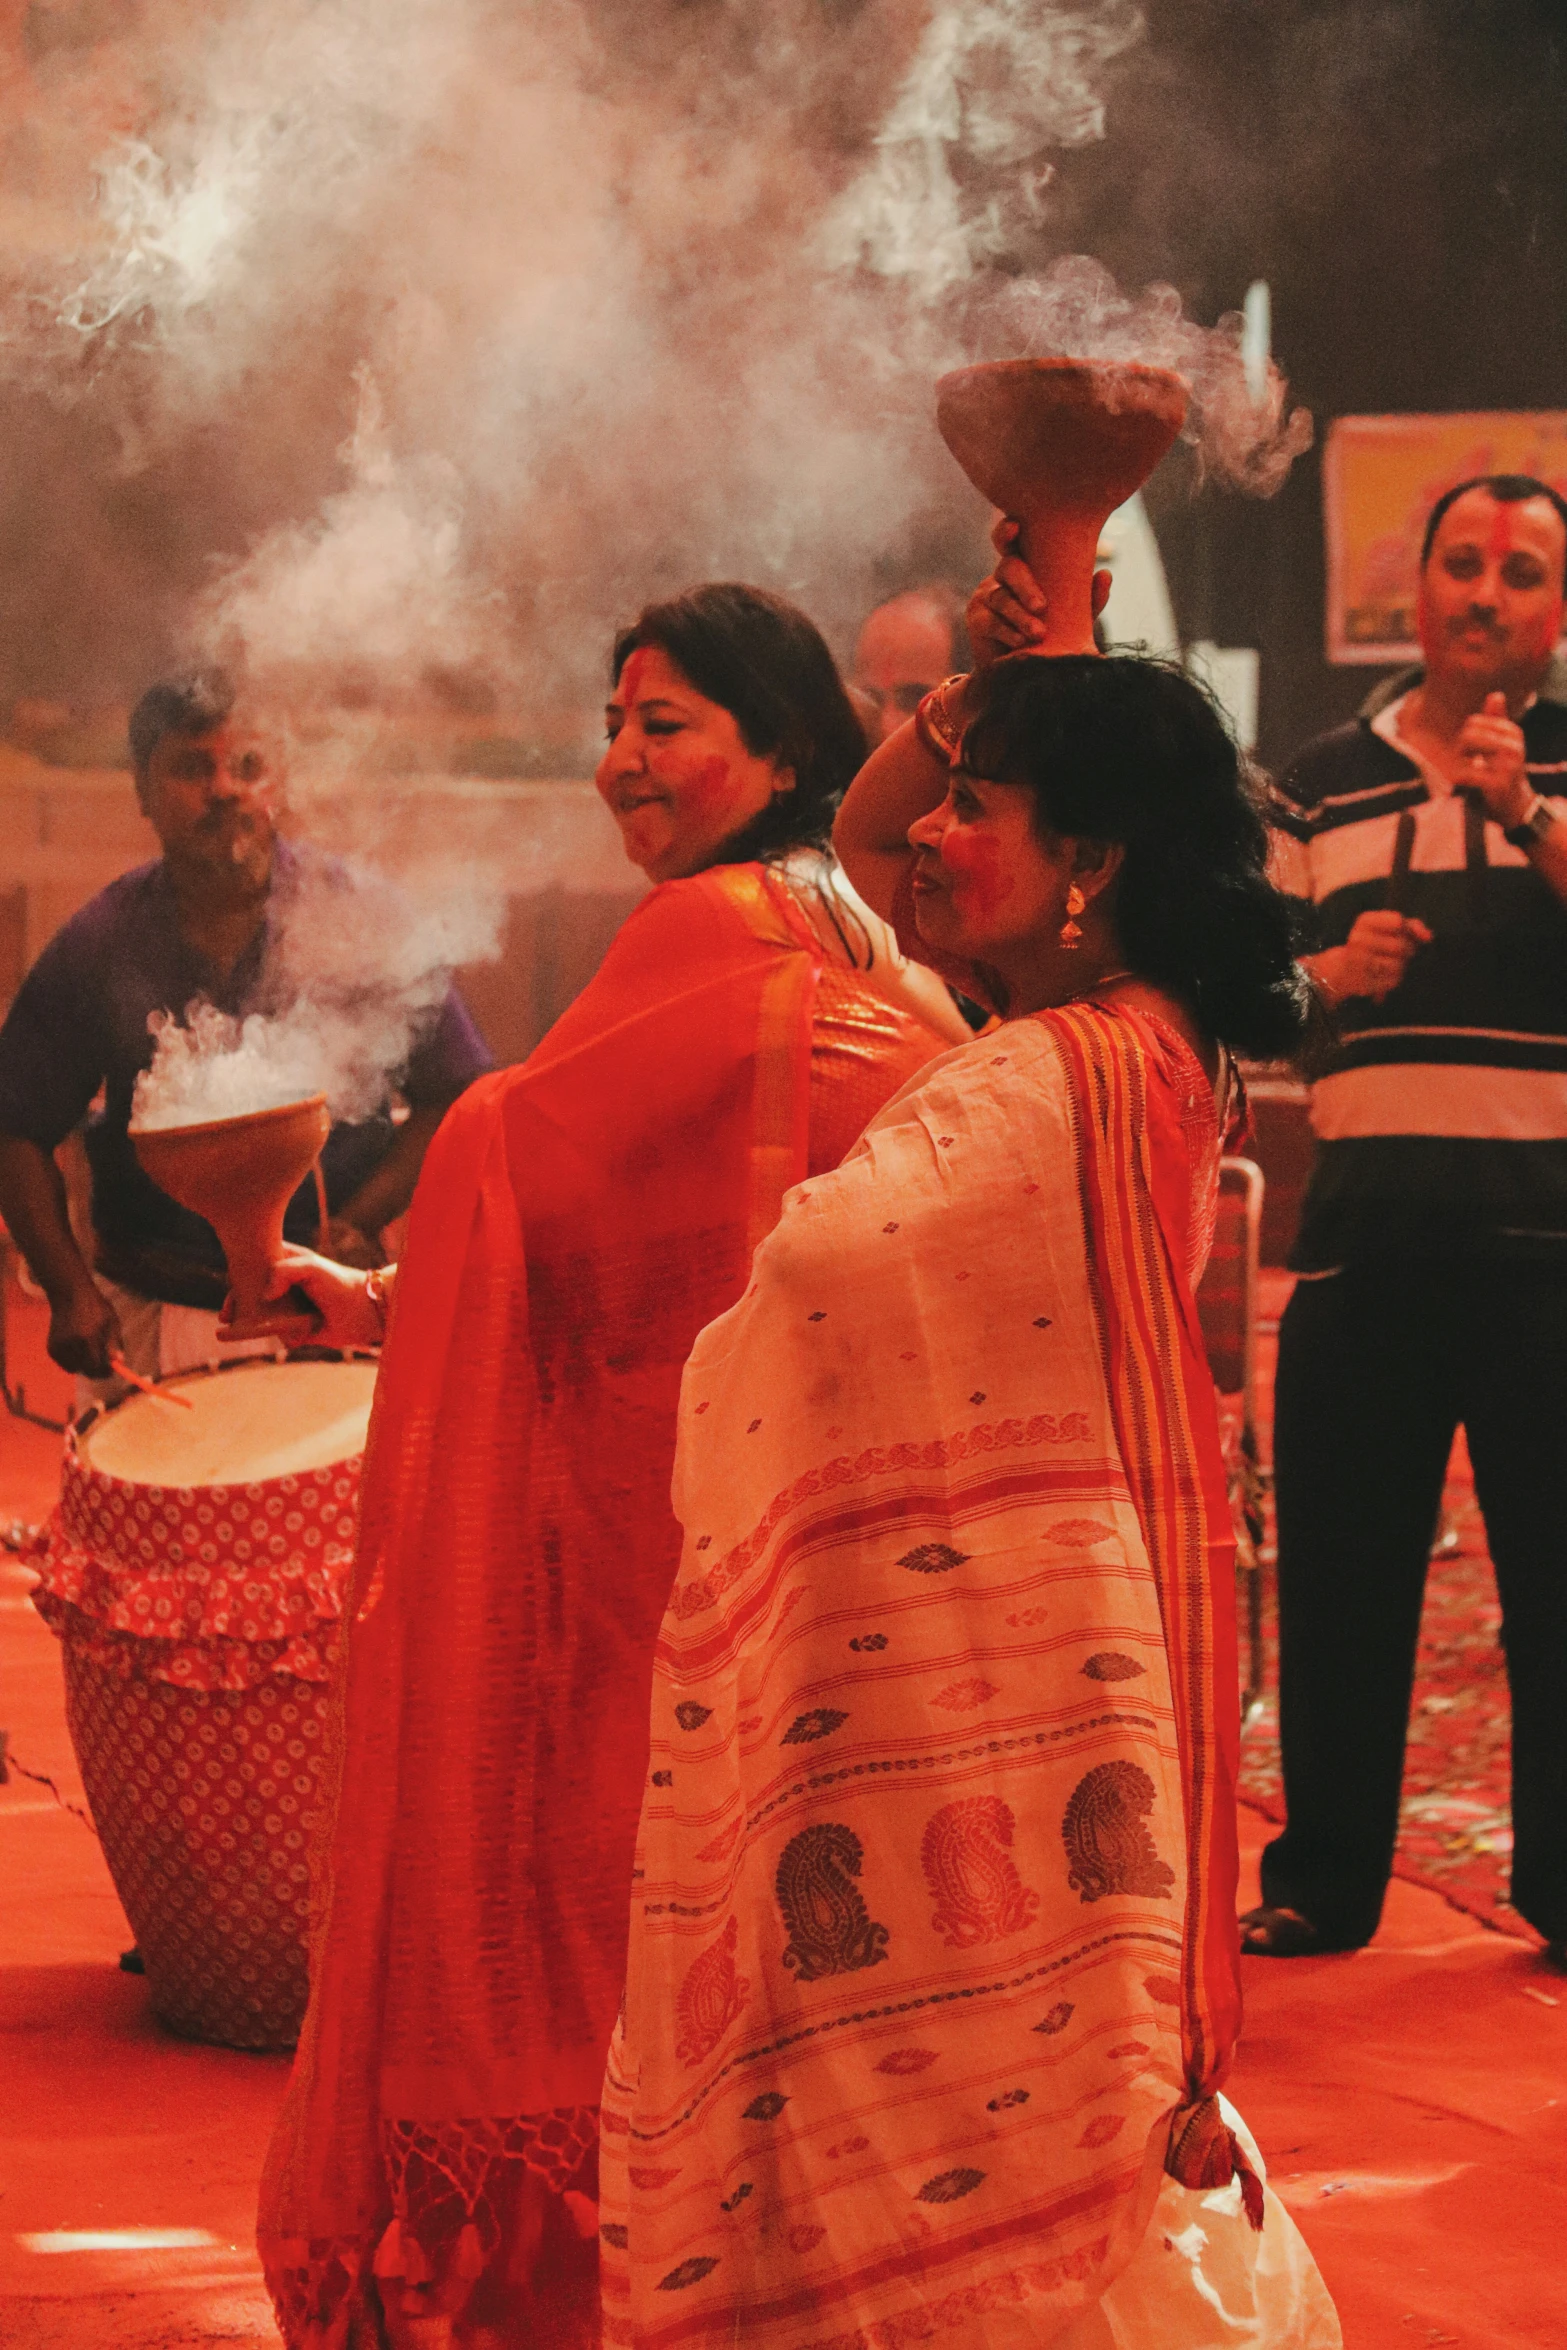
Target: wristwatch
[[1540, 820]]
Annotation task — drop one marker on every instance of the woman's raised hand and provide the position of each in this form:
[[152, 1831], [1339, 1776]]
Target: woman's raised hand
[[1006, 613], [350, 1316]]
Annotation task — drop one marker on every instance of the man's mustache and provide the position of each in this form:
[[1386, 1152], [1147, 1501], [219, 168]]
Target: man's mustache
[[226, 812], [1468, 620]]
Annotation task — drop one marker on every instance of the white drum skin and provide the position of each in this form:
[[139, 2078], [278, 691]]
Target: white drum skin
[[253, 1421]]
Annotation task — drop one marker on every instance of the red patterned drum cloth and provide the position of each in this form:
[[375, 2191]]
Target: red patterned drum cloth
[[198, 1614]]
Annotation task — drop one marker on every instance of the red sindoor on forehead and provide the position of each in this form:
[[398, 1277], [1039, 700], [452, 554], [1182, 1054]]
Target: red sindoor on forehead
[[1501, 531], [636, 662]]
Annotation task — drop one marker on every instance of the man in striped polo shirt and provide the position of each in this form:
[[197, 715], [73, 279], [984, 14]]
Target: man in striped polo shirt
[[1429, 843]]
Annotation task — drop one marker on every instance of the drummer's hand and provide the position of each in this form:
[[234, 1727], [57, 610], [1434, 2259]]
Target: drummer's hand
[[346, 1244], [84, 1331], [1006, 613], [348, 1316]]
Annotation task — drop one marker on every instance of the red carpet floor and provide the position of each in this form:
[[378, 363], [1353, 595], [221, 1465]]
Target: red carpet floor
[[1411, 2099]]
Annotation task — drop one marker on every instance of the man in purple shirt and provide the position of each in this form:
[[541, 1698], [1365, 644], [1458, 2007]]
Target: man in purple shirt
[[199, 922]]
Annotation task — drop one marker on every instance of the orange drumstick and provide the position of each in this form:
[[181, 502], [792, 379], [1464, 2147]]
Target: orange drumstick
[[118, 1364]]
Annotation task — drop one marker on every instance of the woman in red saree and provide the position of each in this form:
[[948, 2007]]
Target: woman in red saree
[[579, 1219], [933, 1979]]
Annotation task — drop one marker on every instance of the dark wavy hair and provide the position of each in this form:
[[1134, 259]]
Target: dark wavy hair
[[1122, 748], [193, 704], [764, 662]]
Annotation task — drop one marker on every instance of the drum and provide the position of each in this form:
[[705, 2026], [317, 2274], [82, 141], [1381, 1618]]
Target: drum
[[194, 1571]]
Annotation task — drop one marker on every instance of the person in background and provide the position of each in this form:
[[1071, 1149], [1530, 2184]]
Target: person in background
[[580, 1218], [197, 922], [933, 1979], [904, 647], [1427, 844]]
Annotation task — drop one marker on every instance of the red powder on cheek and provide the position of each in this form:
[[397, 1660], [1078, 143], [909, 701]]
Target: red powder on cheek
[[709, 786], [980, 881]]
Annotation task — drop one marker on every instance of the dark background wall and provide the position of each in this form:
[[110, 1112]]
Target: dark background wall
[[1397, 171]]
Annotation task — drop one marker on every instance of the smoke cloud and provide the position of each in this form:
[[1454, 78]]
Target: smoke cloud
[[959, 167], [642, 291], [211, 1066], [359, 973], [1245, 434], [413, 344]]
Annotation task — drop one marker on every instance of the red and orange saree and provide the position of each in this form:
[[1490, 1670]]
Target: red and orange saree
[[933, 1977], [578, 1222]]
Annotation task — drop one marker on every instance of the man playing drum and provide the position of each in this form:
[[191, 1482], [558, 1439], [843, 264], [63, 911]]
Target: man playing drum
[[201, 921]]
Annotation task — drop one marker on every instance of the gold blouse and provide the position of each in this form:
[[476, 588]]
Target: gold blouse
[[878, 1018]]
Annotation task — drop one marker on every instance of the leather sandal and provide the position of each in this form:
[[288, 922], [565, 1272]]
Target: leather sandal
[[1267, 1932]]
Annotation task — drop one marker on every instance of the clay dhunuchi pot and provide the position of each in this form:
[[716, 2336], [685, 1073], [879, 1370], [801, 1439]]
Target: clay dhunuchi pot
[[240, 1174], [1059, 444]]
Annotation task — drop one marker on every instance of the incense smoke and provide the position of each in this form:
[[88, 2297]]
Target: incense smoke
[[432, 337], [648, 291], [992, 85], [211, 1066], [1238, 421], [359, 971]]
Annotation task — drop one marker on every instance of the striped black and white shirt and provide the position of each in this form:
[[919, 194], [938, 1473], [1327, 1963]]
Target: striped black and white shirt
[[1442, 1116]]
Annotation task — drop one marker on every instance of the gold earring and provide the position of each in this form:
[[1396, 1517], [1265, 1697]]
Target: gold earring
[[1071, 933]]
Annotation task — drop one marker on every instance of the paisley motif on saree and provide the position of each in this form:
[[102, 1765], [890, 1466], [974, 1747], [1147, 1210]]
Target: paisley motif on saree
[[943, 1734]]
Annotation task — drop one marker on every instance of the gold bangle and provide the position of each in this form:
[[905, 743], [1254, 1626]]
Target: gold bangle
[[936, 726], [375, 1291]]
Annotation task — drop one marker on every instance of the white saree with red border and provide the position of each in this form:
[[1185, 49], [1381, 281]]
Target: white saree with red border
[[933, 1978]]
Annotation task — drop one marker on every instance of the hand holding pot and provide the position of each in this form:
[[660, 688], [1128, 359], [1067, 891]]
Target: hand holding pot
[[348, 1317], [1006, 614]]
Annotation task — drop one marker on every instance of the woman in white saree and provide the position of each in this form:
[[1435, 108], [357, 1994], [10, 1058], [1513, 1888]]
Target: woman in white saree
[[933, 1978]]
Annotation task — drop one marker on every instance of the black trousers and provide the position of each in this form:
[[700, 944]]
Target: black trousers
[[1377, 1368]]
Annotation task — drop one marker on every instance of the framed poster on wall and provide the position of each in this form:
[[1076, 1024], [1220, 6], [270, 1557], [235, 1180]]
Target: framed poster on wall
[[1381, 476]]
